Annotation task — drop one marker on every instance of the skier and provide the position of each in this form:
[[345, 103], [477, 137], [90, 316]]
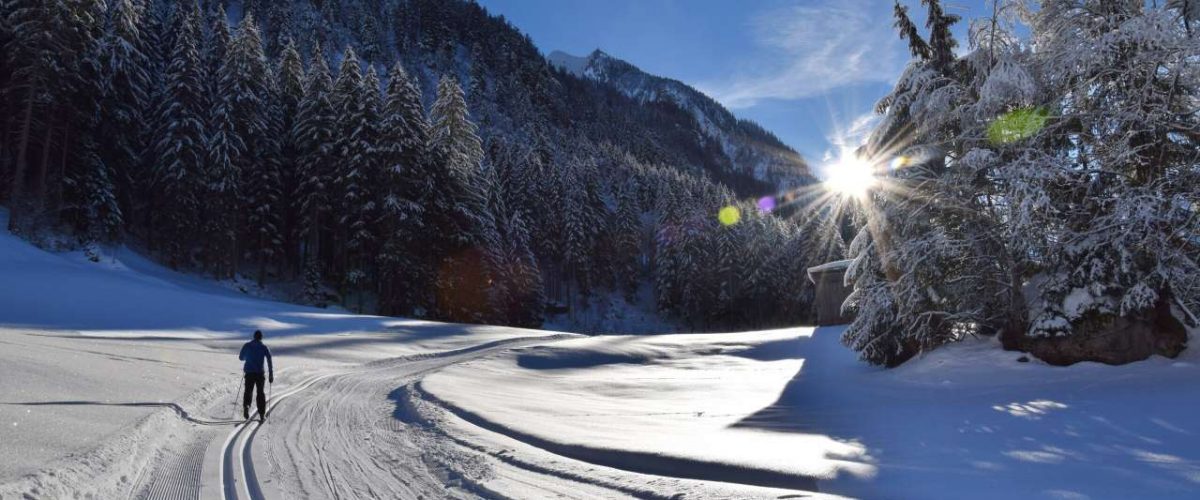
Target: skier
[[253, 353]]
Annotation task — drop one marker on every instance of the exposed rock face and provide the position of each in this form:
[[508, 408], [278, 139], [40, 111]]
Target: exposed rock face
[[1114, 340]]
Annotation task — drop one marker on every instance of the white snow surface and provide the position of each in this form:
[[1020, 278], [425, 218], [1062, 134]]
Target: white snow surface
[[967, 421], [117, 380]]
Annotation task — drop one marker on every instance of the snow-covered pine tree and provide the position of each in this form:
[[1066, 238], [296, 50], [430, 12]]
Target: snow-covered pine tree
[[313, 135], [726, 280], [222, 178], [406, 263], [941, 271], [49, 42], [355, 150], [762, 239], [516, 296], [1104, 194], [157, 43], [543, 216], [1042, 176], [367, 240], [941, 41], [7, 110], [121, 80], [215, 42], [458, 204], [180, 147], [579, 226], [290, 82], [452, 132], [314, 285], [158, 39], [790, 274], [627, 236], [492, 233], [695, 254], [527, 308], [252, 92], [98, 217]]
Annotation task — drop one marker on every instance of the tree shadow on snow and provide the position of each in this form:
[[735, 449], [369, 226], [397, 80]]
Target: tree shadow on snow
[[810, 399], [179, 410]]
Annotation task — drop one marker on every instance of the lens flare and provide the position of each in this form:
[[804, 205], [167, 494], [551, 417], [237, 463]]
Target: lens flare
[[850, 176], [1017, 125], [766, 204], [729, 215]]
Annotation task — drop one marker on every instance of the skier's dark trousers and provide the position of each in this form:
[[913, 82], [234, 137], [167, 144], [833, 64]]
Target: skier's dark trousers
[[253, 353]]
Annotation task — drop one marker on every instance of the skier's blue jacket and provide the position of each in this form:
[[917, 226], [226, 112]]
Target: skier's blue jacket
[[253, 353]]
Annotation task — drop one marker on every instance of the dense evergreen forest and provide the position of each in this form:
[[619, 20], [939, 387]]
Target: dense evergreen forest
[[408, 157]]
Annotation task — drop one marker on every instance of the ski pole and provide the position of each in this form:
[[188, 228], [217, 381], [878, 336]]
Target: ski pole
[[241, 380]]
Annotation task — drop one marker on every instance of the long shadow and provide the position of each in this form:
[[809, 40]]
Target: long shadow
[[179, 411], [552, 358], [785, 415], [544, 360], [803, 397], [633, 461], [775, 350]]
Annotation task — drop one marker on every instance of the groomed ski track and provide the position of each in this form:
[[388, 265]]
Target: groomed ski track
[[303, 432]]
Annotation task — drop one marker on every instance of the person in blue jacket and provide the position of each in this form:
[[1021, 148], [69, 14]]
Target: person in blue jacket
[[253, 353]]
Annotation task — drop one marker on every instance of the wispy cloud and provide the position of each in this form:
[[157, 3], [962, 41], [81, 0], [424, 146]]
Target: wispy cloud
[[848, 137], [812, 48]]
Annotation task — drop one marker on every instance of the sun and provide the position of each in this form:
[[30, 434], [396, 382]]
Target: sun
[[850, 176]]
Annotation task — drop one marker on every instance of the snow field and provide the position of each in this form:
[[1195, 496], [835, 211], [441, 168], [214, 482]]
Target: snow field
[[741, 407]]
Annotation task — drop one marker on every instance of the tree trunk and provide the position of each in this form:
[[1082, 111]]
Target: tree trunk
[[16, 198], [56, 201], [883, 243], [39, 196]]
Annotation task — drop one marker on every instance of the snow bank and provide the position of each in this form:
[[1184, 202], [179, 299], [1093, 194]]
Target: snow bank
[[969, 419]]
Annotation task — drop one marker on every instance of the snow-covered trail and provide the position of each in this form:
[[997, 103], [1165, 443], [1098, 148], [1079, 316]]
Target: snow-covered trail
[[237, 477], [341, 439], [367, 433]]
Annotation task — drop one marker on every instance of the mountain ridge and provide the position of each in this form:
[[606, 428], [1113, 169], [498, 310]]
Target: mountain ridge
[[751, 148]]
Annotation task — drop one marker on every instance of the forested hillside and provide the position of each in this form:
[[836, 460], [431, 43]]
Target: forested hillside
[[411, 157], [748, 157]]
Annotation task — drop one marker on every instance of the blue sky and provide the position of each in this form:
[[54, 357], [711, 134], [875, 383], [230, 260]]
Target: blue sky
[[808, 70]]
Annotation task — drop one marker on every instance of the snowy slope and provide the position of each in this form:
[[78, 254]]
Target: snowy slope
[[126, 293], [763, 407]]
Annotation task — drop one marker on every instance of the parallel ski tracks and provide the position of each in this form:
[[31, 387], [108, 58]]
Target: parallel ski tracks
[[236, 449], [238, 479]]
